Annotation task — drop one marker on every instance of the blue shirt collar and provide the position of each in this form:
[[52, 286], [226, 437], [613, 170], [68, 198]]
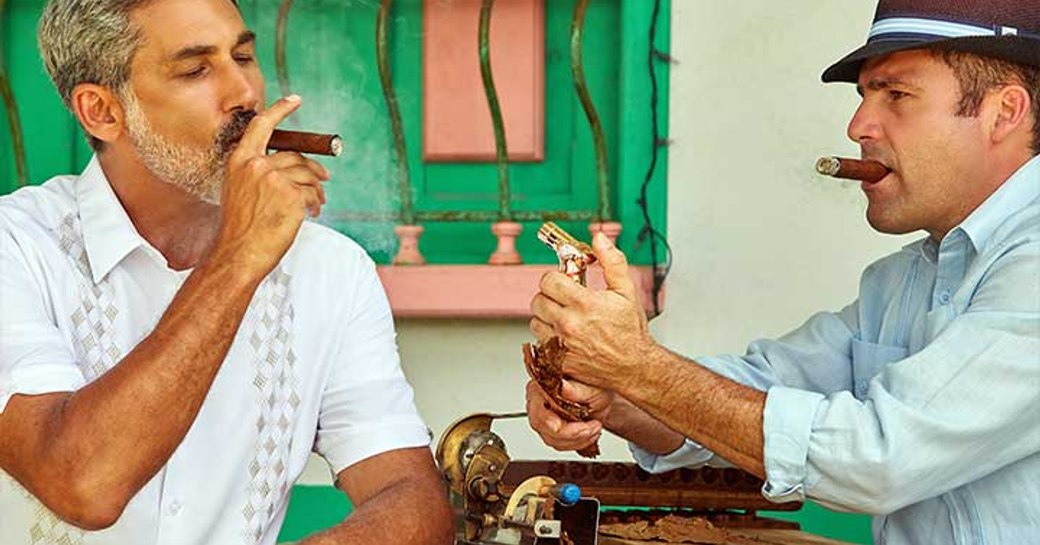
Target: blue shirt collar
[[1021, 189]]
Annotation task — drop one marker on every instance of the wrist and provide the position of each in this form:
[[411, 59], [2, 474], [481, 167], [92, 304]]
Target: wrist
[[242, 262], [643, 368], [236, 268]]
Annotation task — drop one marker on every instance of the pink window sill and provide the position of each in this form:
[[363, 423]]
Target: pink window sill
[[481, 291]]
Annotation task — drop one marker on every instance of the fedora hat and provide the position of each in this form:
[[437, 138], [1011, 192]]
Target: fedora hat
[[1003, 29]]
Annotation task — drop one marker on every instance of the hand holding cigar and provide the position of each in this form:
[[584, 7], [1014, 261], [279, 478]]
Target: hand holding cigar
[[852, 169]]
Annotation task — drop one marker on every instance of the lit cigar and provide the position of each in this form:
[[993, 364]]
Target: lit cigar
[[852, 169], [305, 142]]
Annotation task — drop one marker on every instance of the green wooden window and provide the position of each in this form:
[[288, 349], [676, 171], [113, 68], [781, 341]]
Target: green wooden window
[[331, 60]]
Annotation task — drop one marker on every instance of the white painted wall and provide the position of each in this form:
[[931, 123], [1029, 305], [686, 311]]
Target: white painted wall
[[760, 241]]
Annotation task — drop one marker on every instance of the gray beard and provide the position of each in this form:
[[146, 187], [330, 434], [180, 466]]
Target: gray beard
[[198, 172]]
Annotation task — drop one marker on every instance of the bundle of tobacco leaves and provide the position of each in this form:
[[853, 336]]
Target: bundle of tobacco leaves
[[544, 363]]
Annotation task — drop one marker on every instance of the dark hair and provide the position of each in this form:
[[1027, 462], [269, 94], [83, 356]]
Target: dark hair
[[977, 75]]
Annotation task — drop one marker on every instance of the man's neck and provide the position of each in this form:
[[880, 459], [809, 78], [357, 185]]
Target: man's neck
[[179, 225], [997, 172]]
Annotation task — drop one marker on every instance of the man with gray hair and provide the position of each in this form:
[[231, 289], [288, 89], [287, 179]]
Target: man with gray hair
[[175, 339]]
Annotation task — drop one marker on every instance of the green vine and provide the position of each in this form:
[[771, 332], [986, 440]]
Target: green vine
[[501, 151], [578, 73], [13, 122], [404, 184]]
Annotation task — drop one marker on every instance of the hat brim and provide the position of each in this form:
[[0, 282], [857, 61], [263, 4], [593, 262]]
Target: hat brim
[[1010, 48]]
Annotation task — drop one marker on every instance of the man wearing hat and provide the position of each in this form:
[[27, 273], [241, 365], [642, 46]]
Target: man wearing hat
[[920, 401]]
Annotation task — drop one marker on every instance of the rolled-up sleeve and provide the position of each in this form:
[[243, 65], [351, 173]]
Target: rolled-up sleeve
[[787, 426], [961, 408], [815, 357]]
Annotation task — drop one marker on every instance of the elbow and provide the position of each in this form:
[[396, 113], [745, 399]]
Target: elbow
[[443, 531], [877, 492], [88, 506]]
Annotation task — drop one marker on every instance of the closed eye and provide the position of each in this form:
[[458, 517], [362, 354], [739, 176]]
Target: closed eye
[[195, 73]]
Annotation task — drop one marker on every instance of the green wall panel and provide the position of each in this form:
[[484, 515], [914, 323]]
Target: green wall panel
[[331, 50]]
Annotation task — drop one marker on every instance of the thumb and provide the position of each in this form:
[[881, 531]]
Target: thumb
[[615, 267], [576, 391]]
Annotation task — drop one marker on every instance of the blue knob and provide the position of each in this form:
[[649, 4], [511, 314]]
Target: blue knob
[[568, 494]]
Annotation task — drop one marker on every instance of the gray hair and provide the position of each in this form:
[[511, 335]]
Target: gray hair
[[88, 41]]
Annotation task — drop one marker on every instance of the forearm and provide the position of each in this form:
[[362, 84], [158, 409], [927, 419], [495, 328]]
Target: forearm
[[405, 513], [720, 414], [114, 434], [635, 425]]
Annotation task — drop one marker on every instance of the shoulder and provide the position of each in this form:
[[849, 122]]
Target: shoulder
[[325, 257], [33, 214], [318, 244]]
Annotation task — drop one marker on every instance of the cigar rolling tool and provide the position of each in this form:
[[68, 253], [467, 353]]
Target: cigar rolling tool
[[575, 256], [537, 510]]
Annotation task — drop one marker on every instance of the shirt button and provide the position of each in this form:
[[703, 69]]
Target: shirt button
[[944, 297], [175, 508]]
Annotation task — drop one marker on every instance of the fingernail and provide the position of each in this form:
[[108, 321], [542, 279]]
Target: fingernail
[[293, 98]]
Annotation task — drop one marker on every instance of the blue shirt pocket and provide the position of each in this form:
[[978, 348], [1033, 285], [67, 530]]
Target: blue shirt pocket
[[868, 359]]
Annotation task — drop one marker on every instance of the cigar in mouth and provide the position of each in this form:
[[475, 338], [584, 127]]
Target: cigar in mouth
[[306, 142], [852, 169]]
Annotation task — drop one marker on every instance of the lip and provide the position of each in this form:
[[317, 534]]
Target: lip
[[871, 186]]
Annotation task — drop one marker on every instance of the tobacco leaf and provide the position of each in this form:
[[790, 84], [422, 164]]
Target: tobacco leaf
[[670, 529], [544, 364]]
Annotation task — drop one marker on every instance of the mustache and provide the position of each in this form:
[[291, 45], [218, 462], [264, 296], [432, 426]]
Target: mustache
[[232, 131]]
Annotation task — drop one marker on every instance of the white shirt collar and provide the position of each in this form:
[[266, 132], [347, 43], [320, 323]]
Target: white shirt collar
[[108, 233]]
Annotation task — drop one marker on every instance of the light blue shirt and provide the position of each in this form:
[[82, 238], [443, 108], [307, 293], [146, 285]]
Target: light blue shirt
[[920, 402]]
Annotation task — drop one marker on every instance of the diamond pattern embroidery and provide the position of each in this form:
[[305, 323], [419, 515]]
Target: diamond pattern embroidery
[[96, 353], [269, 319], [46, 528], [93, 321]]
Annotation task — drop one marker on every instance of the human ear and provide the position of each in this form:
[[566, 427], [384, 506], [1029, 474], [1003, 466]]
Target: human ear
[[1011, 112], [98, 111]]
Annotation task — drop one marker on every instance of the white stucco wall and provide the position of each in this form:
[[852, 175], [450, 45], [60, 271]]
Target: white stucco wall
[[760, 241]]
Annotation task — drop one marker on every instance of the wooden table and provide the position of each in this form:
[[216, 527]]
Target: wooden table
[[757, 537]]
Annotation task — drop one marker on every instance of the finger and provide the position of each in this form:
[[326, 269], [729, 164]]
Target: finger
[[541, 330], [308, 199], [303, 179], [575, 435], [254, 141], [541, 419], [545, 309], [560, 288], [571, 435], [286, 159], [578, 391], [615, 267]]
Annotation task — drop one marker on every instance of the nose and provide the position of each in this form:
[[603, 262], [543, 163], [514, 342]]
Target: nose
[[864, 124], [242, 89]]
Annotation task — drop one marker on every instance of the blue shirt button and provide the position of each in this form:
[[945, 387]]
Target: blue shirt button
[[944, 297]]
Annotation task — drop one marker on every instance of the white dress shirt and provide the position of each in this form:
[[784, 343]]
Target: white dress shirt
[[313, 366]]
